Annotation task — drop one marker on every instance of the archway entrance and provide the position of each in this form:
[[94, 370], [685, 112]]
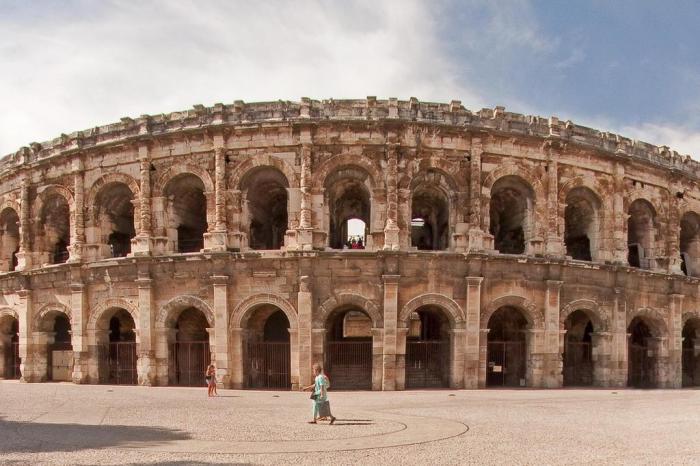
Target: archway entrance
[[640, 234], [187, 213], [640, 359], [691, 353], [578, 350], [511, 205], [59, 350], [581, 224], [348, 199], [9, 348], [53, 235], [428, 349], [189, 355], [265, 192], [9, 239], [506, 348], [267, 360], [117, 355], [348, 355], [114, 219]]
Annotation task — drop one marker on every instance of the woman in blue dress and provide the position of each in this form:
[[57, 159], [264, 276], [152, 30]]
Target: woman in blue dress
[[320, 394]]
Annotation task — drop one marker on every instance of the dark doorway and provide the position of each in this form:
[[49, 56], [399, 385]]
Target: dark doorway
[[428, 349], [9, 332], [578, 350], [189, 355], [268, 358], [640, 361], [348, 355], [691, 353], [118, 357], [506, 349], [60, 351]]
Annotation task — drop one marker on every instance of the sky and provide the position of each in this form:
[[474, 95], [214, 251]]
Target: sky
[[625, 66]]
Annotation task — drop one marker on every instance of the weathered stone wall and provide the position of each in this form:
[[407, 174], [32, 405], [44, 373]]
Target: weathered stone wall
[[365, 159]]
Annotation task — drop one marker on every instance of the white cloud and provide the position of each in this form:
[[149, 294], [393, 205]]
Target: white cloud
[[76, 69], [685, 141]]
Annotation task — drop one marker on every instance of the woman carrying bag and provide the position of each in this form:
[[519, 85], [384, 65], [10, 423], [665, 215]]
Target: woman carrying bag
[[319, 395]]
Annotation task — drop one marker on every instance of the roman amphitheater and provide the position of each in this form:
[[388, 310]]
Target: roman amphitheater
[[405, 244]]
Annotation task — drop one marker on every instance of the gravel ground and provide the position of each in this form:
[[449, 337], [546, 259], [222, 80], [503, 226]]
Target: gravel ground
[[69, 424]]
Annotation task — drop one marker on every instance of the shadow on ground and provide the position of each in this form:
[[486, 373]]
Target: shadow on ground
[[33, 437]]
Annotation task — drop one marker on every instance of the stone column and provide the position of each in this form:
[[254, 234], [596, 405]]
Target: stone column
[[391, 228], [318, 344], [237, 354], [618, 352], [216, 238], [675, 341], [24, 313], [164, 338], [537, 367], [458, 345], [401, 334], [24, 261], [601, 345], [305, 322], [77, 237], [554, 243], [147, 368], [619, 222], [305, 231], [472, 342], [141, 244], [476, 232], [673, 229], [79, 317], [377, 356], [221, 343], [390, 349], [552, 357]]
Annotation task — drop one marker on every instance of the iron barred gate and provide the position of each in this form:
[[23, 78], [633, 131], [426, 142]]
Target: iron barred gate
[[349, 364], [59, 360], [427, 364], [578, 363], [267, 365], [117, 363], [639, 366], [12, 361], [187, 363], [506, 365], [691, 368]]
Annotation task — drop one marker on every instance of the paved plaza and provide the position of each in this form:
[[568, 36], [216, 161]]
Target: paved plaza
[[89, 424]]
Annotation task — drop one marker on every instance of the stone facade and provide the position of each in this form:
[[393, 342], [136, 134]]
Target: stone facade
[[533, 235]]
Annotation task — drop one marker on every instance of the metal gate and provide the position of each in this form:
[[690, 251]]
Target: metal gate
[[60, 362], [691, 368], [349, 364], [117, 363], [267, 365], [187, 363], [640, 367], [506, 365], [427, 364], [578, 363], [12, 361]]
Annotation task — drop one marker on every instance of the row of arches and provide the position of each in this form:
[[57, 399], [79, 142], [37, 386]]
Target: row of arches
[[183, 208], [349, 348]]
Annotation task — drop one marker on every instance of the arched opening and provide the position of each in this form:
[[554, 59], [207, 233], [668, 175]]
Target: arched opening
[[117, 348], [641, 359], [54, 228], [691, 353], [348, 355], [114, 216], [690, 244], [189, 353], [267, 349], [348, 198], [578, 350], [428, 349], [265, 192], [9, 348], [430, 216], [640, 234], [187, 213], [59, 349], [581, 224], [506, 348], [9, 239], [512, 202], [356, 236]]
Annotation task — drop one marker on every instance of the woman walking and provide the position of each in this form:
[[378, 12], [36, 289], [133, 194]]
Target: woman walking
[[210, 377], [319, 395]]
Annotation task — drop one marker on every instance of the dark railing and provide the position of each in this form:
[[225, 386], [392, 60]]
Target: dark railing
[[117, 363], [187, 363], [691, 368], [640, 367], [578, 363], [506, 364], [427, 364], [267, 365], [349, 364], [12, 361]]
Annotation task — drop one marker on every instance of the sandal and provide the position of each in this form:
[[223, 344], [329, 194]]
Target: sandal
[[332, 419], [311, 422]]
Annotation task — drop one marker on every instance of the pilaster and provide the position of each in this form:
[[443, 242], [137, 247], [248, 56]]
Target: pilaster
[[147, 357], [216, 239], [141, 244], [391, 296], [221, 342], [391, 228], [472, 332], [305, 348], [77, 237], [79, 316], [476, 233]]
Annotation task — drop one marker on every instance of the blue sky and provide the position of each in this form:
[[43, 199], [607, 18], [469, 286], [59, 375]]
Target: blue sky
[[624, 66]]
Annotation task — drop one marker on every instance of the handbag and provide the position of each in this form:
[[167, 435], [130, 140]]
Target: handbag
[[324, 409], [313, 396]]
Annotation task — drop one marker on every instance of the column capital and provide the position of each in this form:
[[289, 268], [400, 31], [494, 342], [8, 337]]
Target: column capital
[[220, 280], [391, 279], [474, 281]]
